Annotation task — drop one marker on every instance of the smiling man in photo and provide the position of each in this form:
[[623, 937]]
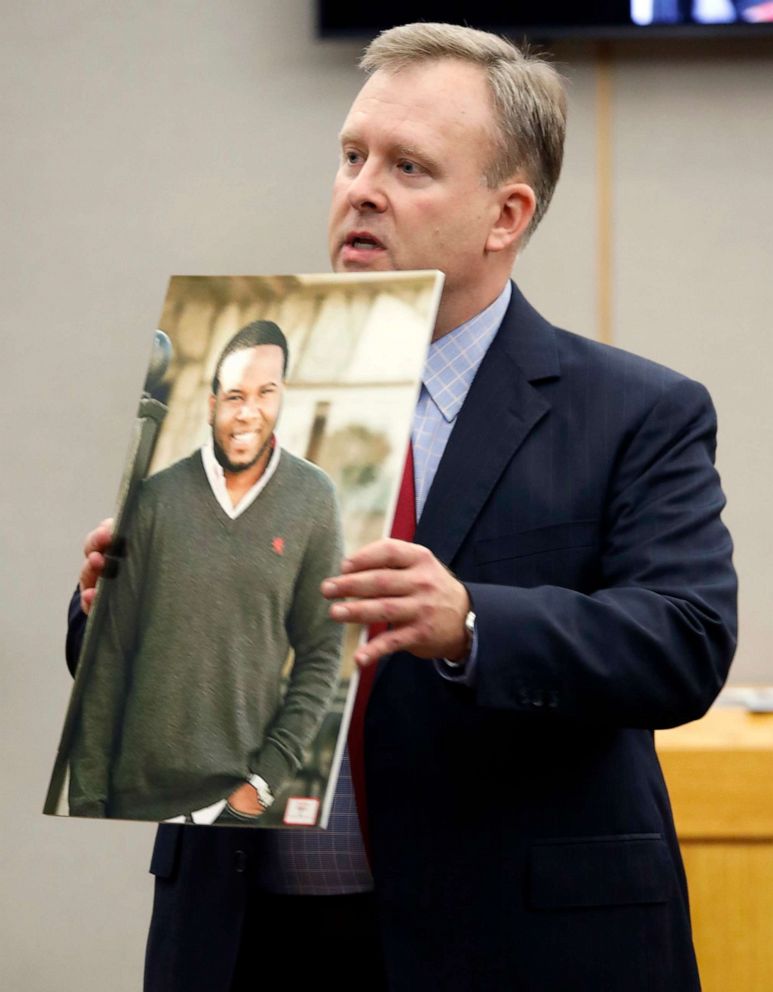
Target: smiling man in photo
[[183, 714]]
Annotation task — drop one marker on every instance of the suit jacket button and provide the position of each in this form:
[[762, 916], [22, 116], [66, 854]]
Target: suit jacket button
[[240, 861]]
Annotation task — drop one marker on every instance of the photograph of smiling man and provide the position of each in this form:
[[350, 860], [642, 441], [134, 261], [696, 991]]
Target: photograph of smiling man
[[204, 731], [216, 688]]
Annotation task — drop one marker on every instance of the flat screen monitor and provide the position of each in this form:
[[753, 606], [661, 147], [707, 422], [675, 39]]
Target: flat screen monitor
[[545, 20]]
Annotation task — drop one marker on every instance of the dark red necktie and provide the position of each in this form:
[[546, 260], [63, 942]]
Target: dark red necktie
[[403, 528]]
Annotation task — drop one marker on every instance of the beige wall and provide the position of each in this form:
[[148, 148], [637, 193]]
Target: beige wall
[[180, 137], [694, 275]]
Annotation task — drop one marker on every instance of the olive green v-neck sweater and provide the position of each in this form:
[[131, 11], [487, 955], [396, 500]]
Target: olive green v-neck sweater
[[183, 700]]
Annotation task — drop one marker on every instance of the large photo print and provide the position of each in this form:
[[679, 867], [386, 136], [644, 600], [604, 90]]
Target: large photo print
[[269, 442]]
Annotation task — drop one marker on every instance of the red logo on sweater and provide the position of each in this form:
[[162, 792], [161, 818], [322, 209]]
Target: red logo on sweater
[[278, 544]]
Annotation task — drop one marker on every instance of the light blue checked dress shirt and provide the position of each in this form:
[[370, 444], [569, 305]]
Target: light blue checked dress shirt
[[333, 861], [452, 362]]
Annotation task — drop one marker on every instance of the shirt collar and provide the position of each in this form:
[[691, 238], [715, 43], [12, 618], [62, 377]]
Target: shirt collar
[[453, 360], [216, 478]]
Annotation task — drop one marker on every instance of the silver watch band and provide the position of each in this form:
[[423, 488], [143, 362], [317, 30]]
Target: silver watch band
[[469, 627]]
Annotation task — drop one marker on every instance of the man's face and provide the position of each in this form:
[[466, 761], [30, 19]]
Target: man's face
[[410, 190], [245, 409]]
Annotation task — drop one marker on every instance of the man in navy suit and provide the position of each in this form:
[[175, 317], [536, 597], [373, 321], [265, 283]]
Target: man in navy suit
[[569, 589]]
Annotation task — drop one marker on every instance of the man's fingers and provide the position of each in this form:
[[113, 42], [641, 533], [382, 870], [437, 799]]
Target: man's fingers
[[96, 544], [99, 539], [386, 643], [92, 568], [87, 599], [388, 553], [370, 584], [394, 610], [378, 569], [405, 586]]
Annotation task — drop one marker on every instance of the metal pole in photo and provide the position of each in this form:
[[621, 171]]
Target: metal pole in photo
[[150, 416]]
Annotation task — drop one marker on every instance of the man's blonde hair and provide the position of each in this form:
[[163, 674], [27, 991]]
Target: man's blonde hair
[[527, 92]]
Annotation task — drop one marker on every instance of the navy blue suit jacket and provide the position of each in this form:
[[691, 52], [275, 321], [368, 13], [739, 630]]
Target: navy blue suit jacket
[[521, 830]]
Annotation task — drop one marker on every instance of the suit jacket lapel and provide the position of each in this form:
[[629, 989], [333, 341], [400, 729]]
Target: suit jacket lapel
[[501, 409]]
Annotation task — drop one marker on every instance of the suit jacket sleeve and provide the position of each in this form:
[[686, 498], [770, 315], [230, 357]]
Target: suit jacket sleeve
[[652, 645]]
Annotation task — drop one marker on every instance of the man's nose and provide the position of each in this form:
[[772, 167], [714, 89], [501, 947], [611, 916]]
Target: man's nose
[[248, 409], [366, 190]]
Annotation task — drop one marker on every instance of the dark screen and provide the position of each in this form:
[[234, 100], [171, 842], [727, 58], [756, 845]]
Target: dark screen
[[546, 18]]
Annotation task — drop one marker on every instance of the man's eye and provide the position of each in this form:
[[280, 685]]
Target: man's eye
[[352, 158], [410, 168]]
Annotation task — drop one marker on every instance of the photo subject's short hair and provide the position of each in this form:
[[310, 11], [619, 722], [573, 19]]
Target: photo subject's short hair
[[257, 333], [527, 92]]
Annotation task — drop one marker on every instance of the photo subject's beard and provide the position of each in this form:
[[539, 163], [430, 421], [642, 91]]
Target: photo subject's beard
[[228, 466]]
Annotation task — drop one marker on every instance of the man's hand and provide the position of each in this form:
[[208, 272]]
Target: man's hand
[[244, 799], [97, 543], [405, 586]]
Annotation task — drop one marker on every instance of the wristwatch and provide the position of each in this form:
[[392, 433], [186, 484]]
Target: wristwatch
[[265, 795], [469, 629]]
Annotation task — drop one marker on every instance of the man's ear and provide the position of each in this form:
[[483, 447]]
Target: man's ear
[[211, 417], [517, 204]]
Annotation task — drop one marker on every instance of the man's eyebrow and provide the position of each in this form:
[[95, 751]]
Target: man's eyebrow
[[262, 385], [411, 151], [398, 150]]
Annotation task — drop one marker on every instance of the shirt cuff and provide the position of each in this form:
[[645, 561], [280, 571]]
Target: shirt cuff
[[209, 814], [260, 785], [463, 672]]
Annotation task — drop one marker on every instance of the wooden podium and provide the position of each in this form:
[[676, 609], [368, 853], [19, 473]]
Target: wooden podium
[[719, 772]]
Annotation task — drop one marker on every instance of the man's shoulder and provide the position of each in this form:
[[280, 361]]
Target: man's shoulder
[[180, 473], [600, 381], [607, 368], [577, 350], [297, 471], [545, 351]]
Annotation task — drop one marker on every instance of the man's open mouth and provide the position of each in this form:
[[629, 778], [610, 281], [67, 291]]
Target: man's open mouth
[[362, 240]]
